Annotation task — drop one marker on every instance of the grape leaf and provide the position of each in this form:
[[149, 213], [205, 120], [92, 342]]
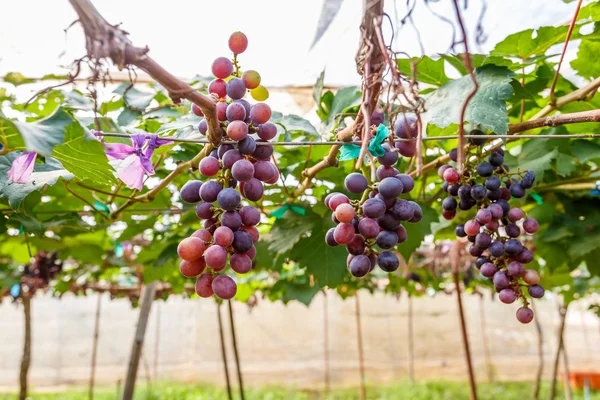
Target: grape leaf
[[587, 63], [287, 231], [294, 123], [524, 45], [487, 107], [477, 60], [344, 98], [84, 156], [44, 174], [43, 135], [428, 70], [326, 264]]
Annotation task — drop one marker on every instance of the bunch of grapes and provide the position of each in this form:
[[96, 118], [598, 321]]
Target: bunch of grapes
[[494, 233], [371, 227], [236, 171]]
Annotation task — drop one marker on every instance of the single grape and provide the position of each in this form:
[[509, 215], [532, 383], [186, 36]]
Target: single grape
[[356, 183], [274, 179], [209, 166], [203, 127], [417, 212], [204, 285], [253, 189], [475, 250], [483, 240], [388, 221], [240, 263], [242, 241], [204, 210], [524, 315], [250, 215], [512, 247], [386, 239], [496, 210], [515, 214], [485, 169], [525, 257], [389, 157], [483, 216], [488, 270], [406, 149], [477, 141], [531, 277], [242, 170], [536, 291], [222, 67], [377, 117], [190, 192], [512, 230], [197, 110], [338, 199], [218, 87], [264, 170], [390, 188], [360, 266], [224, 287], [496, 249], [203, 234], [228, 199], [403, 210], [345, 213], [237, 130], [356, 246], [460, 231], [530, 225], [478, 192], [517, 191], [259, 93], [406, 127], [384, 171], [453, 154], [368, 227], [505, 206], [235, 112], [464, 192], [472, 227], [222, 111], [236, 89], [247, 145], [507, 296], [493, 183], [408, 183], [344, 233], [215, 257], [251, 79], [443, 169], [267, 131], [388, 261], [230, 158], [252, 231], [401, 233], [209, 191], [451, 175], [251, 253], [501, 280], [329, 239], [263, 151], [223, 236], [260, 113], [496, 159], [515, 269], [211, 224], [232, 220], [528, 180], [449, 204], [191, 269], [238, 42], [191, 249], [453, 189]]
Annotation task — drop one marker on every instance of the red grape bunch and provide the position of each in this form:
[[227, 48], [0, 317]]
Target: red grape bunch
[[494, 232], [371, 227], [236, 171]]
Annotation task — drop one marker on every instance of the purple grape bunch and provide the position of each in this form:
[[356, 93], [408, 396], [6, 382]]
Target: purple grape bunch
[[495, 232], [237, 171], [371, 228]]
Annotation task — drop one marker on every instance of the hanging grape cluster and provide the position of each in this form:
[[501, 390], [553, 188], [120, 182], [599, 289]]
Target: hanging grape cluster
[[488, 185], [43, 268], [236, 171], [371, 227]]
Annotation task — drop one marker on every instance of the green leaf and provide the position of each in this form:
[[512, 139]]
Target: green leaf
[[44, 174], [565, 164], [318, 88], [84, 156], [294, 123], [287, 231], [327, 264], [428, 70], [416, 232], [524, 45], [477, 60], [487, 107], [343, 99], [585, 150], [587, 63]]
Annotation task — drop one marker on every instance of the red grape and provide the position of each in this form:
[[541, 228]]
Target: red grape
[[218, 87], [238, 42], [191, 249], [204, 285], [251, 79], [222, 67]]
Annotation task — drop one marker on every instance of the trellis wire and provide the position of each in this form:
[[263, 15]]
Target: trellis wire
[[434, 138]]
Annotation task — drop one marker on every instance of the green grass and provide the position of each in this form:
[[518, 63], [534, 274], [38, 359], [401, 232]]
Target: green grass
[[434, 390]]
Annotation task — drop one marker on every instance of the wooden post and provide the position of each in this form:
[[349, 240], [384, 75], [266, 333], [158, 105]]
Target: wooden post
[[235, 351], [465, 338], [540, 368], [138, 341], [26, 359], [223, 351], [326, 341], [156, 343], [567, 383], [95, 347], [411, 342], [361, 357], [563, 314]]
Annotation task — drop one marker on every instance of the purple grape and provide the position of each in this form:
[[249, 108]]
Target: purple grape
[[267, 131], [528, 180], [406, 149], [215, 257], [525, 257], [356, 183], [401, 233], [488, 270], [264, 171], [496, 211], [210, 224], [224, 148], [477, 141], [263, 152], [240, 263], [390, 188], [232, 220], [329, 239], [235, 112], [224, 287], [408, 183], [536, 291], [247, 145], [496, 249], [389, 157], [493, 183], [517, 191], [460, 231], [483, 240], [230, 158], [449, 204], [513, 247], [485, 169], [377, 117], [417, 212], [242, 170], [507, 296], [203, 127], [214, 154], [530, 225], [356, 246], [384, 171], [209, 166], [368, 227], [512, 230], [524, 315], [453, 190], [389, 202], [253, 189], [406, 127], [242, 241], [484, 216], [388, 261], [250, 215], [388, 221], [204, 210], [403, 210], [360, 266], [386, 239], [209, 191], [190, 192], [496, 159], [374, 208], [475, 250], [246, 104], [453, 154], [505, 206], [515, 269], [501, 280], [236, 89], [478, 192], [515, 214], [228, 199]]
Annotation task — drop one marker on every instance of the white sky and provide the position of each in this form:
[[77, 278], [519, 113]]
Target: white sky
[[186, 35]]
